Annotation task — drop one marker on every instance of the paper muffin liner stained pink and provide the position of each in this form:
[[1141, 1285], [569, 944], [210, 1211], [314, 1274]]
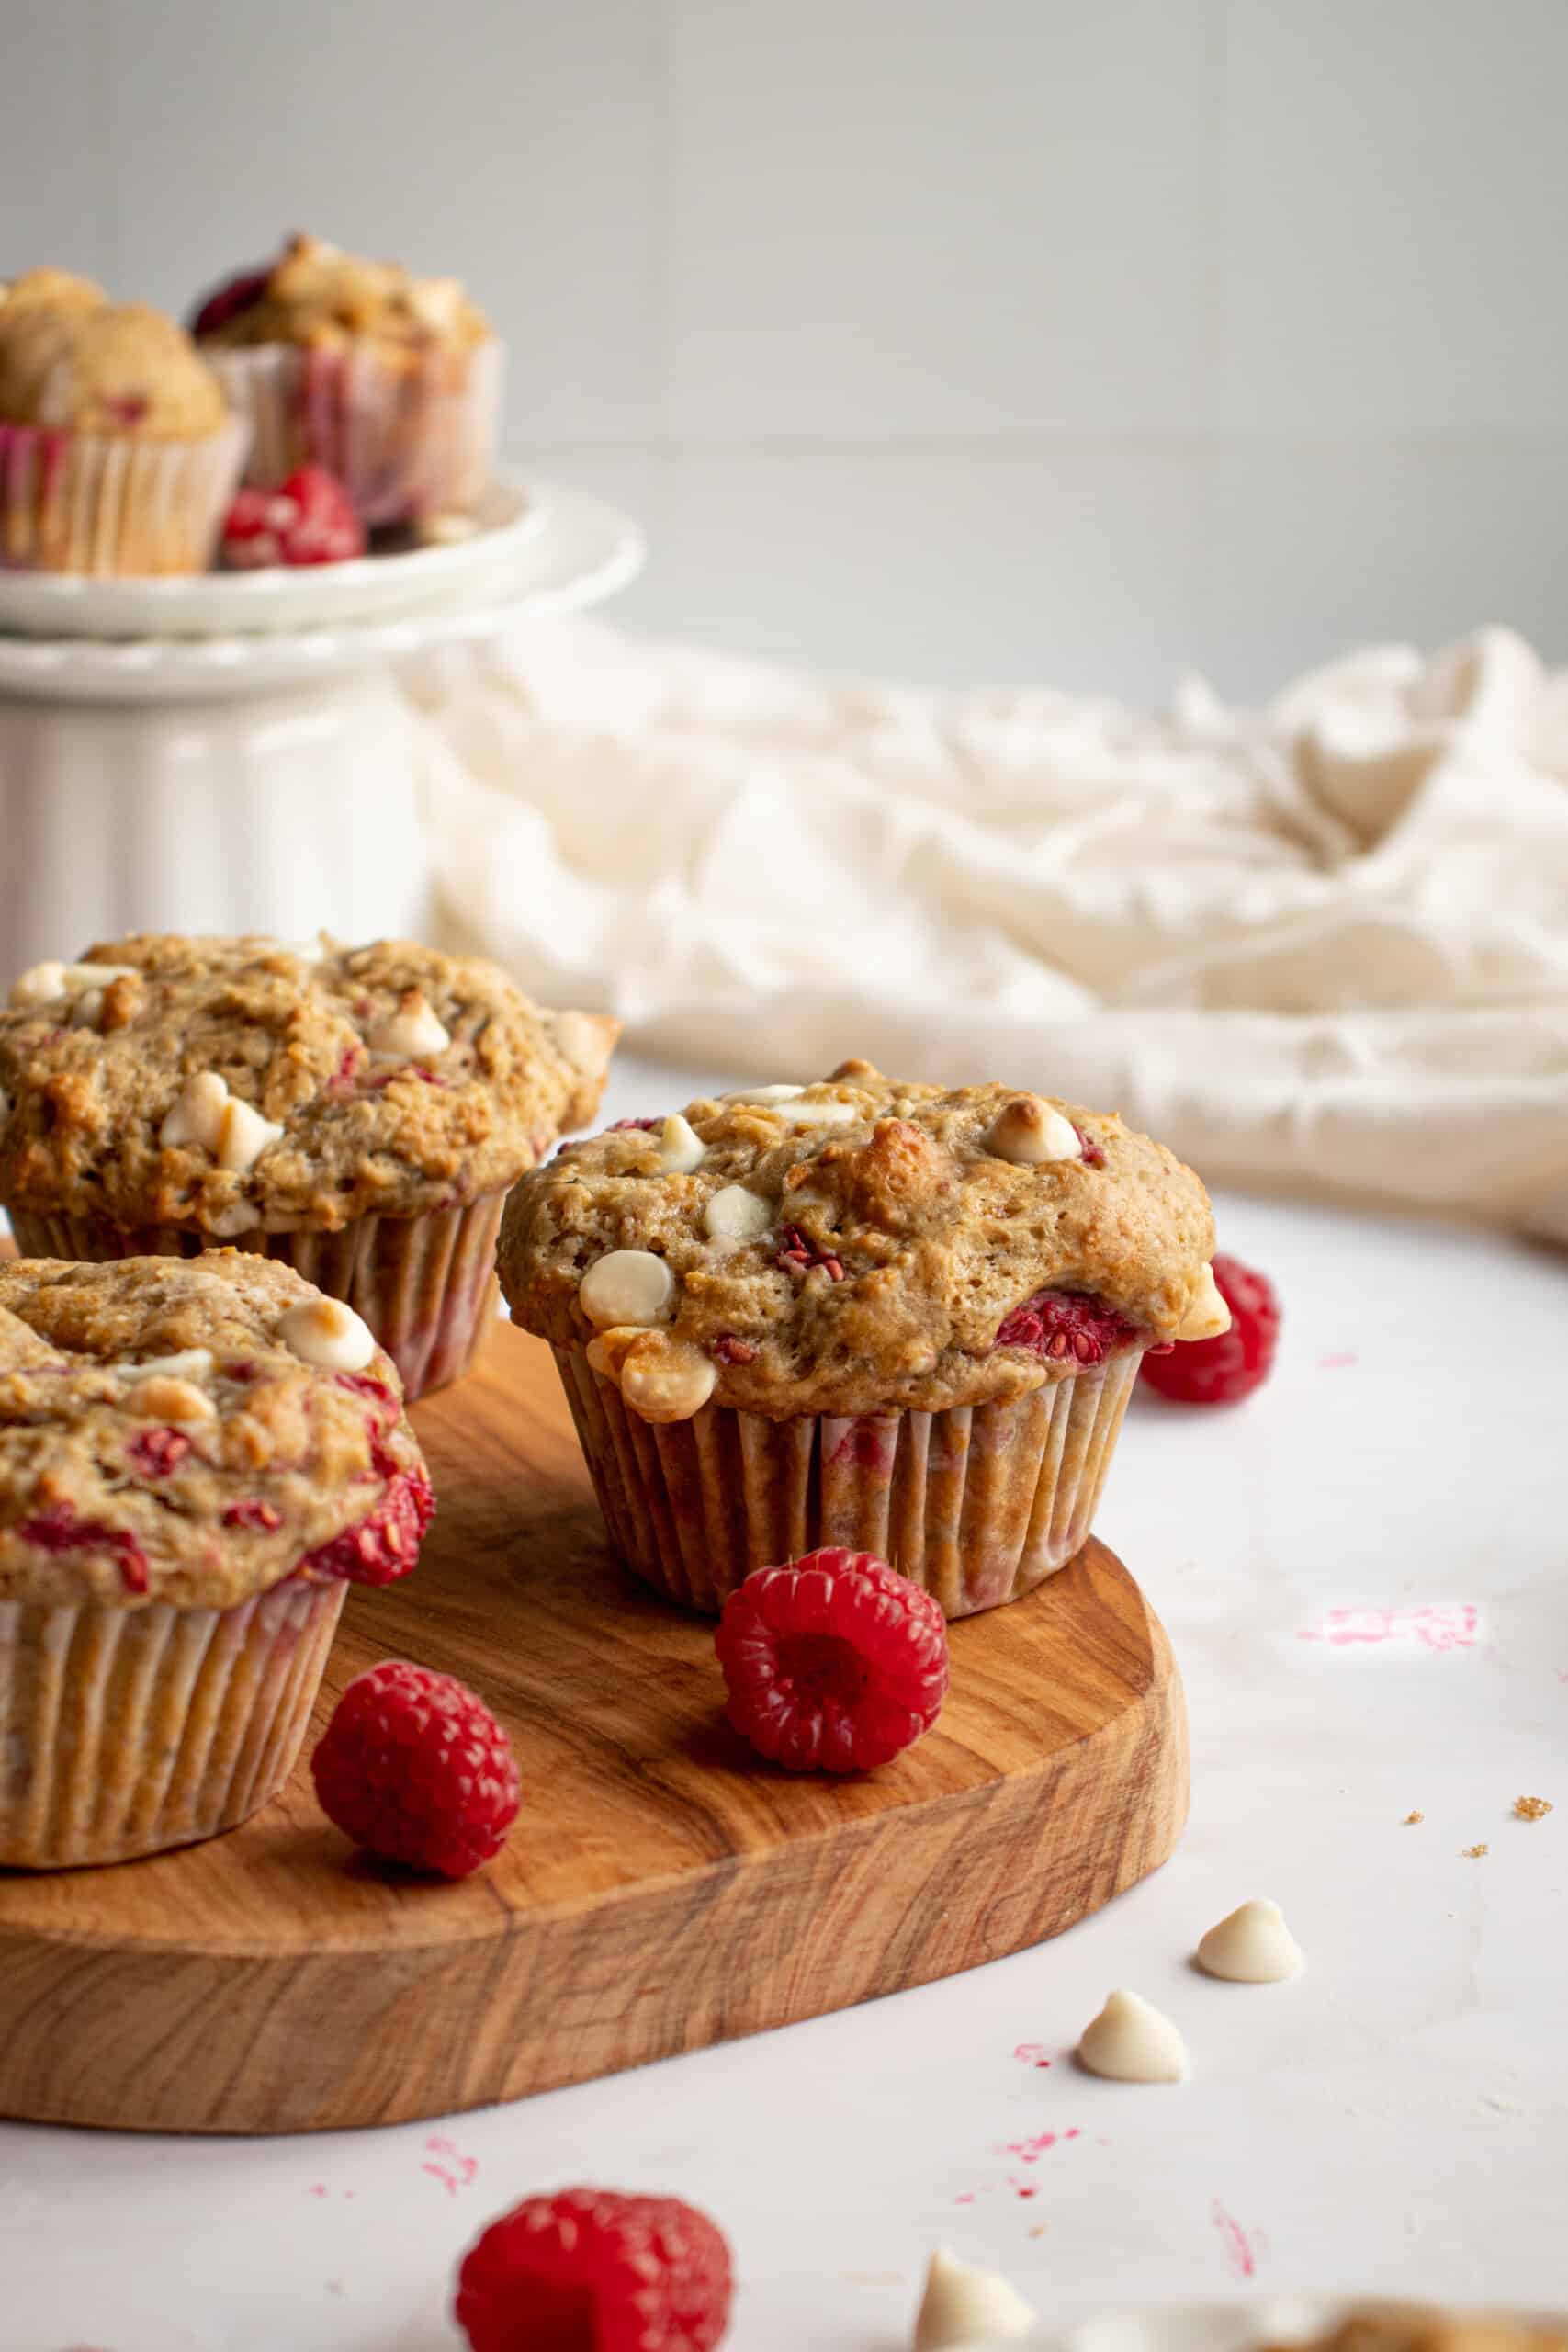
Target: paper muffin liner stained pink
[[978, 1504], [113, 506], [126, 1731], [407, 437], [424, 1284]]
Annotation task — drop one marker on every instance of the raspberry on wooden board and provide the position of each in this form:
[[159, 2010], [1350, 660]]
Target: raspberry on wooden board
[[415, 1767]]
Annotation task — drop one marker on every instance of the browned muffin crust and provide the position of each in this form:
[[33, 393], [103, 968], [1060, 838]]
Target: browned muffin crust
[[1413, 2327], [316, 294], [71, 360], [895, 1241], [399, 1080], [126, 1478]]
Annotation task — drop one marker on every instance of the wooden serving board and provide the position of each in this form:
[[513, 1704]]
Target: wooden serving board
[[663, 1889]]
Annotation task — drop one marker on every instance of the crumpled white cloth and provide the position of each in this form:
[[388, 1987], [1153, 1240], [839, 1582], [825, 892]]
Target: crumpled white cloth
[[1321, 946]]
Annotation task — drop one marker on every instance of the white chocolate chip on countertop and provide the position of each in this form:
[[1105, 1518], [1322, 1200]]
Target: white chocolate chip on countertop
[[680, 1148], [963, 2305], [414, 1028], [1207, 1315], [626, 1286], [164, 1398], [1131, 2041], [325, 1332], [242, 1136], [1028, 1132], [737, 1215], [1251, 1945], [196, 1116]]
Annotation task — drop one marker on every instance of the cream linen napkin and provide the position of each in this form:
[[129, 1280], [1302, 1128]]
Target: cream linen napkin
[[1322, 945]]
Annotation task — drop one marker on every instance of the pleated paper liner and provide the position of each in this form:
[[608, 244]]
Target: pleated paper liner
[[424, 1284], [408, 436], [126, 1731], [978, 1504], [112, 507]]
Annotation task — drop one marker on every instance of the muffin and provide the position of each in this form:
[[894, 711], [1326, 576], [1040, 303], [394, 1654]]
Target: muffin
[[194, 1457], [1417, 2327], [118, 451], [897, 1317], [359, 1112], [391, 382]]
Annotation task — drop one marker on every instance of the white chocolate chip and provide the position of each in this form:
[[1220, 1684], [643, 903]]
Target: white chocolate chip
[[88, 1009], [962, 2305], [1206, 1315], [40, 984], [325, 1332], [583, 1042], [1251, 1945], [1131, 2041], [626, 1286], [830, 1112], [243, 1137], [666, 1380], [164, 1399], [764, 1095], [414, 1028], [225, 1225], [1028, 1132], [191, 1363], [196, 1116], [680, 1148], [737, 1215]]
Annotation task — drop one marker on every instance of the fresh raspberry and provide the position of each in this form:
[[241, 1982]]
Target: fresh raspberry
[[307, 519], [623, 1126], [383, 1547], [227, 301], [415, 1767], [1059, 1324], [834, 1664], [590, 2270], [157, 1453], [1223, 1370]]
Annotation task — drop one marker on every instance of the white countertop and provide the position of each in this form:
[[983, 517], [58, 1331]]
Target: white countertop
[[1362, 1571]]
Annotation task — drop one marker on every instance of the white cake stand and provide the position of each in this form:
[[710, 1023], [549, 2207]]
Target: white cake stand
[[263, 779]]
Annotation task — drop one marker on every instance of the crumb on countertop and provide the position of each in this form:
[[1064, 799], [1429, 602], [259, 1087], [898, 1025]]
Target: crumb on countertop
[[1474, 1853], [1532, 1808], [1411, 1819]]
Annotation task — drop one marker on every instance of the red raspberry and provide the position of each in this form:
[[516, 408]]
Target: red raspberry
[[157, 1453], [1221, 1371], [415, 1767], [383, 1547], [590, 2270], [227, 301], [308, 519], [835, 1664], [1063, 1326]]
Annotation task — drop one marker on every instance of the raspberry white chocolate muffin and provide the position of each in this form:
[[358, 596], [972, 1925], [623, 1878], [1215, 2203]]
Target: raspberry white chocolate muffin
[[901, 1318], [389, 380], [195, 1456], [1416, 2327], [118, 451], [360, 1112]]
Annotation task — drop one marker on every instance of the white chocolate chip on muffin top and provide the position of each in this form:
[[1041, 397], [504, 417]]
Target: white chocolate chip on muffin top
[[857, 1245], [227, 1085]]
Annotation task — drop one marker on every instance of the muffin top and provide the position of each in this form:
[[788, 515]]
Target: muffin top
[[71, 359], [858, 1244], [193, 1430], [1415, 2327], [229, 1085], [315, 293]]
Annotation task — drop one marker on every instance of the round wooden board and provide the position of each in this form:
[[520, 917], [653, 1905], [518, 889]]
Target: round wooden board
[[662, 1889]]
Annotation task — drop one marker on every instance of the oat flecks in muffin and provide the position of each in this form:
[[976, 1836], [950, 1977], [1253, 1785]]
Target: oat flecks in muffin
[[858, 1245], [226, 1084], [1531, 1808], [162, 1439], [316, 294]]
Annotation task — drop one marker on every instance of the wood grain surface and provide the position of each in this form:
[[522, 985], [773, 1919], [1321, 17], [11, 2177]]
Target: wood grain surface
[[662, 1889]]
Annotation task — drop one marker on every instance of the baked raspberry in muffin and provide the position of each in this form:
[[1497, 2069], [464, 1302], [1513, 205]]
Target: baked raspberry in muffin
[[357, 1111], [195, 1457], [901, 1318], [391, 382], [118, 450]]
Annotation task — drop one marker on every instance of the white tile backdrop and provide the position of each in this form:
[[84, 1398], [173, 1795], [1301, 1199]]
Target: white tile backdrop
[[1079, 340]]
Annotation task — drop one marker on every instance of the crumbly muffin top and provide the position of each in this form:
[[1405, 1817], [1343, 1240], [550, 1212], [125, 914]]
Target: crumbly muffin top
[[184, 1429], [70, 360], [858, 1244], [224, 1085], [314, 293], [1412, 2327]]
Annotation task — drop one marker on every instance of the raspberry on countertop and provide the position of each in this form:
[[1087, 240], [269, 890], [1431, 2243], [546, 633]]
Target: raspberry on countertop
[[193, 1430], [316, 294], [71, 359], [226, 1084], [857, 1245], [595, 2270]]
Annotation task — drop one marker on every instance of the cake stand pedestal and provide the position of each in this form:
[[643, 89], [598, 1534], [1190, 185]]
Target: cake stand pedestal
[[265, 781]]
